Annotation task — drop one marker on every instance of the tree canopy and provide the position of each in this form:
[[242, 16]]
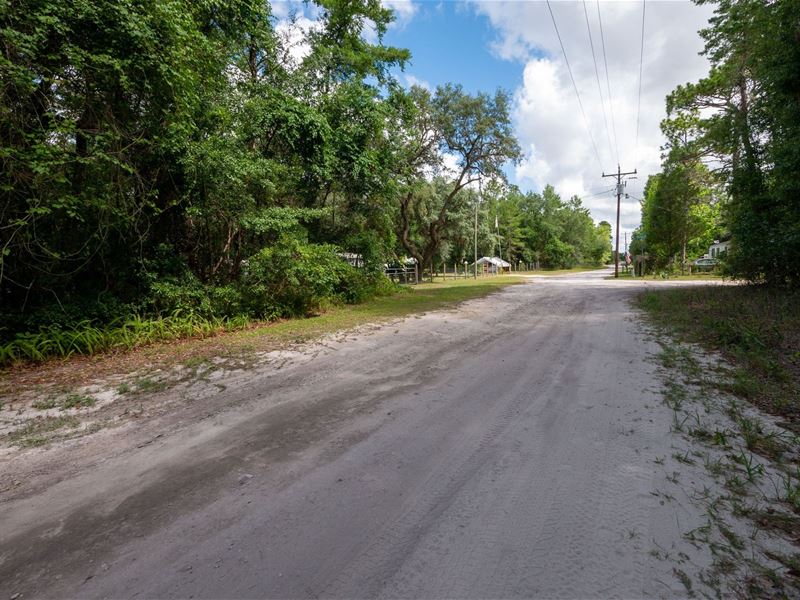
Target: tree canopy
[[209, 158], [732, 143]]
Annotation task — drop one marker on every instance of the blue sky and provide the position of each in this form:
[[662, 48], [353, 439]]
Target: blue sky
[[486, 44], [449, 42]]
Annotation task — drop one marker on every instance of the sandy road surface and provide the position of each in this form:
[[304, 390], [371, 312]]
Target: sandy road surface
[[504, 449]]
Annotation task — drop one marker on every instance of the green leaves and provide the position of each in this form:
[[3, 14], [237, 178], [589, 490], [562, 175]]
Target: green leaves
[[278, 221], [744, 118]]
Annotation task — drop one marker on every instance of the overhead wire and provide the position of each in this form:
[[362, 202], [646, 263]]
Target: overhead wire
[[608, 191], [597, 77], [639, 101], [608, 82], [575, 87]]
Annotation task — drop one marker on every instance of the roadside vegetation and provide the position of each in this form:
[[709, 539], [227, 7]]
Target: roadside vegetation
[[56, 384], [755, 328], [576, 269], [174, 169], [735, 409], [671, 275], [731, 354], [730, 158]]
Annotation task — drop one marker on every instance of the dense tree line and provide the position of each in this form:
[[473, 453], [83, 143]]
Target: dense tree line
[[196, 156], [732, 156]]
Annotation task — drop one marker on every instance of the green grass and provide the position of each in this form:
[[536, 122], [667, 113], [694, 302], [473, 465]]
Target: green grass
[[45, 404], [70, 401], [38, 432], [77, 401], [756, 329], [412, 299], [700, 276], [124, 334], [245, 333]]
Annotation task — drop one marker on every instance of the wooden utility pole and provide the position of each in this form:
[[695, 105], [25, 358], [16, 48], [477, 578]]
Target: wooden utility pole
[[619, 175], [477, 203], [626, 251]]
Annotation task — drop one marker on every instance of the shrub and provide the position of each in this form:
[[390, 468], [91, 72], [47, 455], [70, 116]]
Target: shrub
[[293, 278]]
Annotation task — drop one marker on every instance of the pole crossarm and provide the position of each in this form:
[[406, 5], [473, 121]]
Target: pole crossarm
[[619, 175]]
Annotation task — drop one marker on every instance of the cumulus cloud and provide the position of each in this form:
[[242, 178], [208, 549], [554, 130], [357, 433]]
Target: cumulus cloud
[[404, 11], [294, 18], [412, 80], [547, 116]]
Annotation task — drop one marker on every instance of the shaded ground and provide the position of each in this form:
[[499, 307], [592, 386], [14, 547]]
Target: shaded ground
[[517, 446]]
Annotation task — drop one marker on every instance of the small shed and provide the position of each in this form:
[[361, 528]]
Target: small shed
[[493, 264], [718, 248]]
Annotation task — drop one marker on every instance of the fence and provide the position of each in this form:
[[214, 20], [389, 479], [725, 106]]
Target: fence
[[410, 275], [402, 274]]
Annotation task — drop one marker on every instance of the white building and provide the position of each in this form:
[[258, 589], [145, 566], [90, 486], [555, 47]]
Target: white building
[[717, 249], [493, 264]]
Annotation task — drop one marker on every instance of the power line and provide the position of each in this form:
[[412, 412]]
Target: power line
[[639, 102], [575, 87], [597, 77], [600, 193], [619, 175], [608, 82]]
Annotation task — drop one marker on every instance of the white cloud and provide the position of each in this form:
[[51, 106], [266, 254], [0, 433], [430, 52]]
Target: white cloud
[[280, 9], [412, 80], [547, 116], [294, 36], [404, 11]]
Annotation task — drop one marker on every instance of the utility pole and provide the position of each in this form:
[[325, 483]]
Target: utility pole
[[498, 240], [619, 175], [475, 247], [626, 251]]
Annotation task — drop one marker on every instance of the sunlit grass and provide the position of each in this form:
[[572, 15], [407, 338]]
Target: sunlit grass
[[579, 269], [699, 276], [410, 300], [136, 332]]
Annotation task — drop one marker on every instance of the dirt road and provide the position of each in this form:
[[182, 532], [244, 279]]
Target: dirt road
[[506, 448]]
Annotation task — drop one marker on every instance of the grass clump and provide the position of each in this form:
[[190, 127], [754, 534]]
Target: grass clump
[[38, 431], [45, 404], [121, 334], [756, 328], [70, 401], [77, 401]]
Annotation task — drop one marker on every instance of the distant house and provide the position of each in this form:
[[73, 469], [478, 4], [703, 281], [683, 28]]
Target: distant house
[[717, 249], [355, 260], [493, 264]]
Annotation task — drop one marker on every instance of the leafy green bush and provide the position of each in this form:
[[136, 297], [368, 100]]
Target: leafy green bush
[[89, 338], [559, 255], [355, 286], [290, 278], [293, 278]]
